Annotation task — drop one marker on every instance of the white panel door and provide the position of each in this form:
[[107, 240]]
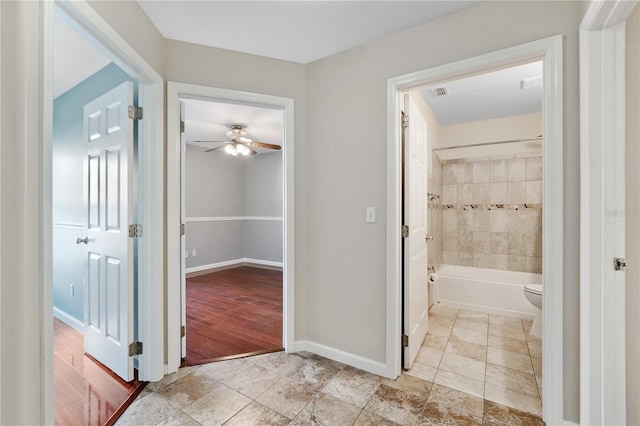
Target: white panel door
[[183, 243], [108, 192], [415, 287]]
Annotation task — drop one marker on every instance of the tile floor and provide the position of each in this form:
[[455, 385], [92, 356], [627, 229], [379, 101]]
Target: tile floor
[[472, 369]]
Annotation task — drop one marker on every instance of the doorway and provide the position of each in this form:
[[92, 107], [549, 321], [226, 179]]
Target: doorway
[[232, 204], [176, 93], [549, 51]]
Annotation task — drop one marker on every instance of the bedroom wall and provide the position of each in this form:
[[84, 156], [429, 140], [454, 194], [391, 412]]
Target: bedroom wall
[[347, 159], [67, 191]]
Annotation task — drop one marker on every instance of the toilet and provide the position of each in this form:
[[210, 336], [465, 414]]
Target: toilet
[[533, 293]]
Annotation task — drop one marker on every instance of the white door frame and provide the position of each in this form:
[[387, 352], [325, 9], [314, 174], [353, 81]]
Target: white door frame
[[602, 219], [550, 51], [150, 187], [175, 92]]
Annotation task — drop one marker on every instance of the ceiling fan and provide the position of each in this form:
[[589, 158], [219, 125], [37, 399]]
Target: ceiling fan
[[238, 143]]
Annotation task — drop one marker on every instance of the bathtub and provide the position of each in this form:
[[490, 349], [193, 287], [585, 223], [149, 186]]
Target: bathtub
[[485, 290]]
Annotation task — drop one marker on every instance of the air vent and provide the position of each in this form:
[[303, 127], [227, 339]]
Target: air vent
[[528, 83], [441, 91]]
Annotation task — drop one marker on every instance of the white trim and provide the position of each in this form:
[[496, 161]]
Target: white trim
[[150, 173], [175, 92], [71, 226], [366, 364], [68, 319], [233, 262], [232, 218], [550, 50], [602, 237]]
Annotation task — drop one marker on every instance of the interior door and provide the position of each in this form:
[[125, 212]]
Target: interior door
[[415, 321], [183, 245], [108, 192]]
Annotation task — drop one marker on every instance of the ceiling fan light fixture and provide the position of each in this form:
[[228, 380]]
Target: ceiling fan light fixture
[[231, 150], [243, 150]]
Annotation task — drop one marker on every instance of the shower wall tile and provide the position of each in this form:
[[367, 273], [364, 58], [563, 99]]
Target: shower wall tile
[[516, 193], [498, 193], [491, 214], [534, 192], [516, 170], [534, 168]]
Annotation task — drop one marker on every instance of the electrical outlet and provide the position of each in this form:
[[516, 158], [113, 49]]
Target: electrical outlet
[[193, 253], [72, 289], [186, 253]]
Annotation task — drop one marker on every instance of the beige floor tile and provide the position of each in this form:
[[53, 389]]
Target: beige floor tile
[[439, 309], [506, 331], [327, 410], [468, 349], [512, 345], [317, 371], [537, 366], [257, 414], [429, 356], [188, 389], [535, 349], [463, 366], [469, 336], [437, 329], [421, 371], [178, 419], [531, 338], [150, 409], [217, 406], [434, 341], [509, 359], [512, 380], [460, 383], [353, 386], [516, 400], [252, 380], [369, 419], [279, 362], [500, 415], [397, 406], [470, 324], [456, 399], [472, 315], [222, 370], [504, 320], [288, 397], [437, 415], [409, 384]]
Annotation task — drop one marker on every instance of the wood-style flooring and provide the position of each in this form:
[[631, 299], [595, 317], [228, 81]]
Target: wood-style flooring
[[233, 312], [86, 393]]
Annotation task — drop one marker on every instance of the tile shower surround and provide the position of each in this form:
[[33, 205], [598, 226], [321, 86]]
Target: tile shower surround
[[492, 212]]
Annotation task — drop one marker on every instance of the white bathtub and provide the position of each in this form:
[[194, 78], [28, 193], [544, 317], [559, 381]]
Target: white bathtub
[[485, 290]]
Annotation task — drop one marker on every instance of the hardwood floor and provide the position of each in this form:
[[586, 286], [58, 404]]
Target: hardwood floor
[[233, 312], [86, 393]]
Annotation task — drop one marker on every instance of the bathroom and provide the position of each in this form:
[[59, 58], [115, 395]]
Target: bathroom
[[485, 216]]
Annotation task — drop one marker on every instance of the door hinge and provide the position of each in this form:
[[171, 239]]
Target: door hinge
[[135, 113], [619, 264], [405, 341], [181, 126], [182, 229], [135, 349], [135, 230], [183, 331], [405, 231], [405, 121]]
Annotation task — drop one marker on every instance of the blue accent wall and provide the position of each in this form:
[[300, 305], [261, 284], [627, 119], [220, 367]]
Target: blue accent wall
[[67, 190]]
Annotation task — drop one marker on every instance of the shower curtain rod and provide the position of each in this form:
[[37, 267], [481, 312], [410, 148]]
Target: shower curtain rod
[[537, 138]]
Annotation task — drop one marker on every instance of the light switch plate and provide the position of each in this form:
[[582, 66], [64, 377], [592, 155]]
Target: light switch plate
[[371, 215]]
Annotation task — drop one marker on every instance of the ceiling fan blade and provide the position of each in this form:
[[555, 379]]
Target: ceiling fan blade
[[215, 149], [265, 145], [252, 151], [211, 141]]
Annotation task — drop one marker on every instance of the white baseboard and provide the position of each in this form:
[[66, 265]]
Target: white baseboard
[[353, 360], [68, 319], [570, 423], [234, 262]]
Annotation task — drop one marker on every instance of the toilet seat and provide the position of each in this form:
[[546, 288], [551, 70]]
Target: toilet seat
[[534, 288]]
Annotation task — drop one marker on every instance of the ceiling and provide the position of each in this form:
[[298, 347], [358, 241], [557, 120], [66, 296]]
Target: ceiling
[[208, 120], [297, 31]]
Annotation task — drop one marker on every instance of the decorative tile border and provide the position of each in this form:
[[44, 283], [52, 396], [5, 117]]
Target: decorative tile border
[[474, 207]]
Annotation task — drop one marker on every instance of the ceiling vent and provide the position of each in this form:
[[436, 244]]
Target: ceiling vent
[[441, 91]]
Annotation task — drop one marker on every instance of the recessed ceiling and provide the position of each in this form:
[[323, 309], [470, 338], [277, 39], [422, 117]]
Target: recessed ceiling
[[297, 31], [208, 120], [74, 57], [487, 96]]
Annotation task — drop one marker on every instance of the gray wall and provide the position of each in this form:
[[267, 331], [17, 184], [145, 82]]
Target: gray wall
[[218, 185], [67, 184]]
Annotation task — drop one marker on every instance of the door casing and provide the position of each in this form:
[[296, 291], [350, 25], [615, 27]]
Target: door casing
[[175, 92], [550, 51]]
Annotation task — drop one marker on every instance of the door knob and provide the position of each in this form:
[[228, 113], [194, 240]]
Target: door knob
[[84, 240]]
